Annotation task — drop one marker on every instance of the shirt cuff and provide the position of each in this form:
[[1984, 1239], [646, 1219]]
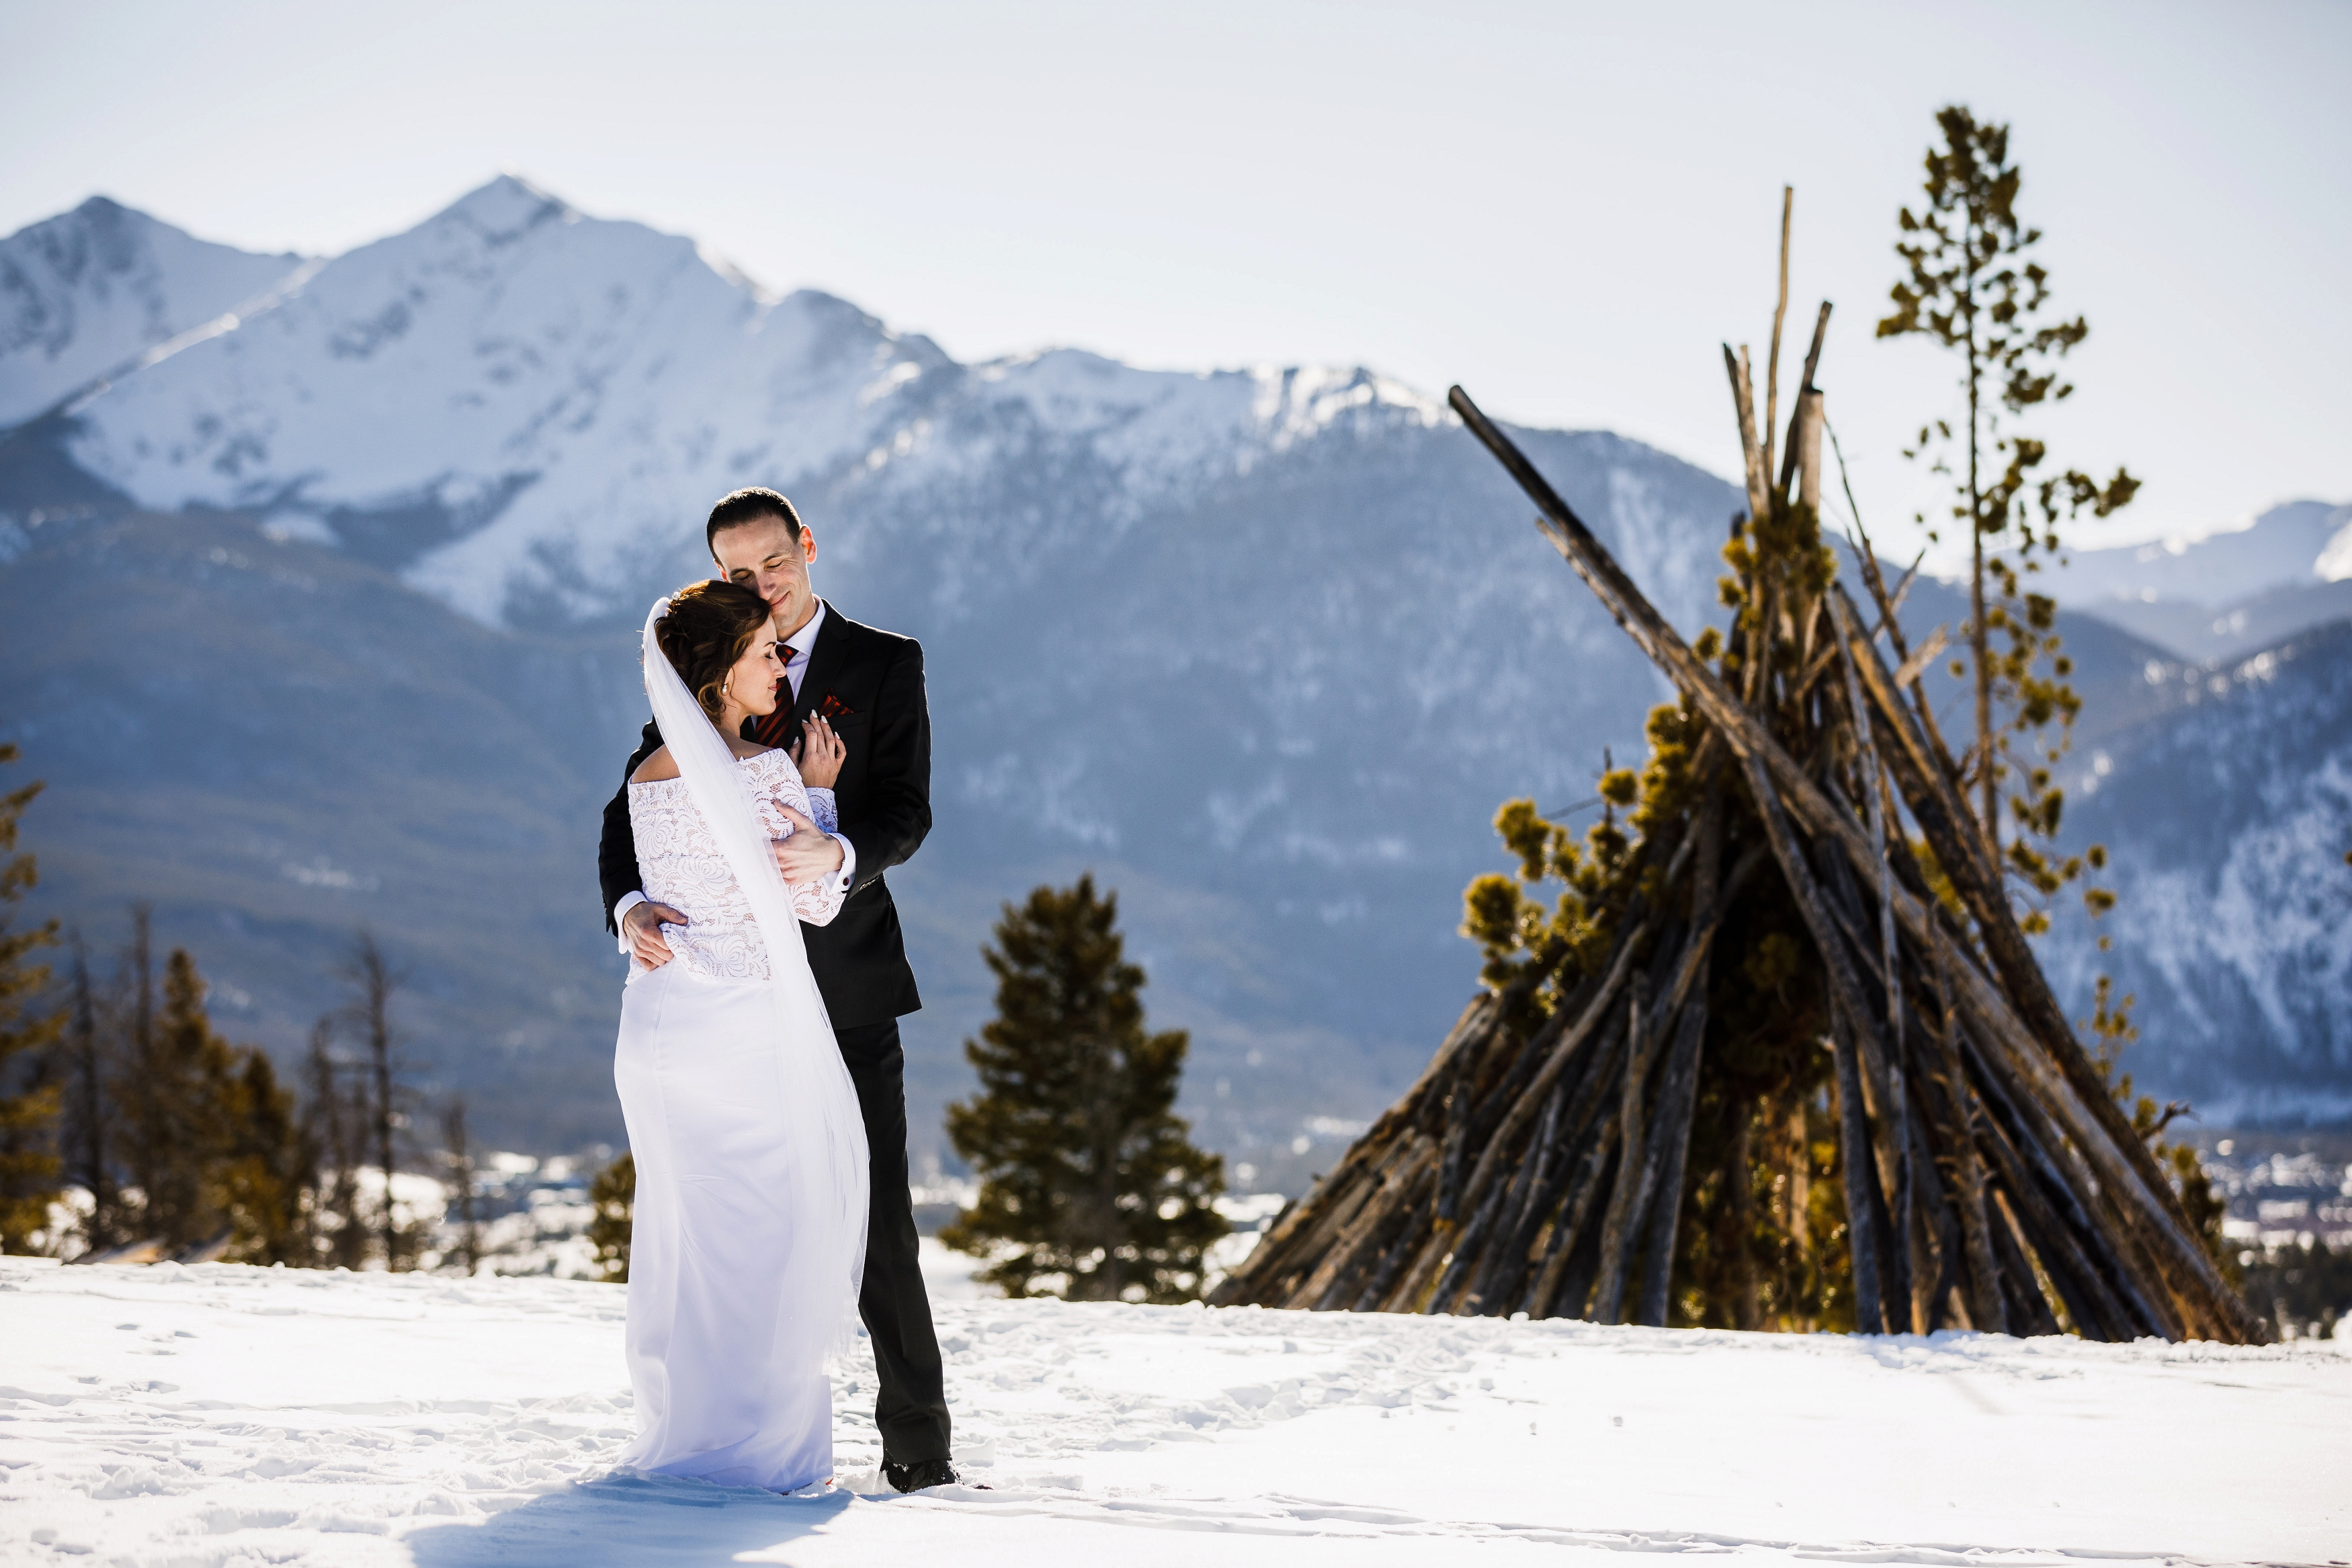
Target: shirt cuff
[[629, 901], [848, 871]]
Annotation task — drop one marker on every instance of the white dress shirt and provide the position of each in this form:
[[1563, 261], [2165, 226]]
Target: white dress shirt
[[797, 648]]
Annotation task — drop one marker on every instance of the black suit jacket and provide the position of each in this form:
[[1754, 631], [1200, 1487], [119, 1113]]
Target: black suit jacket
[[870, 684]]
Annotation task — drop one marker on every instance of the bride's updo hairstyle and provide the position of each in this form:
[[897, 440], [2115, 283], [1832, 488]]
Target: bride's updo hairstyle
[[709, 626]]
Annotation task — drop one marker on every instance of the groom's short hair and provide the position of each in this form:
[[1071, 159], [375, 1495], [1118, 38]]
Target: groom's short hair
[[749, 505]]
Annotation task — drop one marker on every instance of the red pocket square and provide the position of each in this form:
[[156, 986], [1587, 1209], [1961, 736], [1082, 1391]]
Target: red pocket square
[[832, 707]]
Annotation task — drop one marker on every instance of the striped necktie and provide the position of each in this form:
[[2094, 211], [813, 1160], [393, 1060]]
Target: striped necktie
[[777, 728]]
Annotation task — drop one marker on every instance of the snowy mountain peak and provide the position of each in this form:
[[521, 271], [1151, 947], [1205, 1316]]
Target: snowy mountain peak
[[506, 209], [85, 293]]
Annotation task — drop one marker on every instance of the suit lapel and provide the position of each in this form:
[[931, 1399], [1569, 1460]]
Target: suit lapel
[[824, 663]]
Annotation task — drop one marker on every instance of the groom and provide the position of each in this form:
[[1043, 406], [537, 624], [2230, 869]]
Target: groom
[[867, 685]]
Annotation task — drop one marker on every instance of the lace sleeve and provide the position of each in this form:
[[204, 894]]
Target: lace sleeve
[[823, 809], [780, 784]]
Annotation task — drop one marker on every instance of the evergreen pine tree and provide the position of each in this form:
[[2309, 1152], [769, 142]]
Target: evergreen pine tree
[[1087, 1174], [271, 1167], [29, 1101], [177, 1099], [213, 1148], [1973, 289], [613, 1194]]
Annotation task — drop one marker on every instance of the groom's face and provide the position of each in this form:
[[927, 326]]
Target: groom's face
[[763, 555]]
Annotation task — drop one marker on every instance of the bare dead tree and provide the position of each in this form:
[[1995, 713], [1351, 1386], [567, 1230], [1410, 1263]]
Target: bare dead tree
[[376, 983], [461, 1177]]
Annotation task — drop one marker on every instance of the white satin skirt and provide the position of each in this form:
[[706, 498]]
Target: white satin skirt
[[736, 1284]]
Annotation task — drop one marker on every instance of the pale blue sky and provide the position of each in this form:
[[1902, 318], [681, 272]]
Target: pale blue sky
[[1564, 207]]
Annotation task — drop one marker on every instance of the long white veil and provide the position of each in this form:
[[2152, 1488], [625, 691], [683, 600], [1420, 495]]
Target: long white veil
[[828, 1245]]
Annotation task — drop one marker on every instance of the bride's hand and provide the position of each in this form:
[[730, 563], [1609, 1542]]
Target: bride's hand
[[810, 853], [817, 752]]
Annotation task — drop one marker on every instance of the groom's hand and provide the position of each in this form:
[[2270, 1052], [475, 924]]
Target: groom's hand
[[810, 853], [642, 925]]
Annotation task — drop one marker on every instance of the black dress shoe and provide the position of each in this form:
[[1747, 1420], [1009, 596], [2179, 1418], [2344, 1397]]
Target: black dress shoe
[[914, 1475]]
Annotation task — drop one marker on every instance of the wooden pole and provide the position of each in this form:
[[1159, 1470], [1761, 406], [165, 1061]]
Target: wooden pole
[[1780, 313], [1554, 1292], [2138, 1300], [1986, 1309], [1608, 1291], [1881, 1083], [1465, 1255], [1887, 606], [1936, 1248], [1395, 1183], [1520, 1265], [2097, 1314], [1457, 1148], [1389, 1242], [1414, 1229], [1535, 1168], [1670, 1146], [1678, 1096], [1507, 1256], [1890, 970], [1743, 403], [1854, 1167], [1806, 438], [2029, 1307], [1851, 1018], [1813, 363]]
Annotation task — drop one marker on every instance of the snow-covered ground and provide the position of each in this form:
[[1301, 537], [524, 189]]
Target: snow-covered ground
[[225, 1415]]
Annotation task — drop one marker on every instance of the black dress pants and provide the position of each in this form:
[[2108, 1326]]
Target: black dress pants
[[911, 1407]]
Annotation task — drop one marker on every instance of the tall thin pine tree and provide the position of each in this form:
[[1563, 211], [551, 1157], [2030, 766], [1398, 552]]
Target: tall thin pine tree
[[1972, 287]]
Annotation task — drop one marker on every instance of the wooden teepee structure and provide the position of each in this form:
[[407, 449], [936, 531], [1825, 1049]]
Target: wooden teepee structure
[[1541, 1163]]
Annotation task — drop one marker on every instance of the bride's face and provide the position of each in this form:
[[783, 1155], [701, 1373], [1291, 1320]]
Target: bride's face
[[757, 676]]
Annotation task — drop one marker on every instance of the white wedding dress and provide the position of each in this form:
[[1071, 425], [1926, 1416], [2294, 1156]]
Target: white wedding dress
[[750, 1221]]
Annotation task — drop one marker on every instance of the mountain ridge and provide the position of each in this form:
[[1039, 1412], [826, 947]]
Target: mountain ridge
[[1264, 648], [510, 331], [2230, 593]]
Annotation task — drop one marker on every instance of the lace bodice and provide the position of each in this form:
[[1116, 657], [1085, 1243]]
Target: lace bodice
[[682, 867]]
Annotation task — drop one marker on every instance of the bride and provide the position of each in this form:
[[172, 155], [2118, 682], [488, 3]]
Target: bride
[[750, 1222]]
